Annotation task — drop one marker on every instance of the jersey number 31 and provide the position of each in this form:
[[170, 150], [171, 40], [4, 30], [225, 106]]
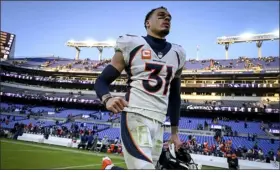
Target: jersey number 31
[[155, 71]]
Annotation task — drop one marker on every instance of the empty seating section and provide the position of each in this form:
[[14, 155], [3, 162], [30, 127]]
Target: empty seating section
[[253, 127], [17, 118], [95, 115], [40, 108], [73, 112], [6, 105], [192, 123], [87, 126]]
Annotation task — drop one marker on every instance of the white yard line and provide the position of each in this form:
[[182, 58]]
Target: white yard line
[[61, 149], [89, 165]]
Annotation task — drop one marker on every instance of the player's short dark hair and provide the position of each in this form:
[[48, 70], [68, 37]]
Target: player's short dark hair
[[149, 14]]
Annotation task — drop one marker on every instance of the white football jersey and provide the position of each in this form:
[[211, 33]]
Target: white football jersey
[[149, 74]]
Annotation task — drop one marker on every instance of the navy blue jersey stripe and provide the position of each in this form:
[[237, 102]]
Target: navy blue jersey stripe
[[132, 55], [178, 58], [128, 142]]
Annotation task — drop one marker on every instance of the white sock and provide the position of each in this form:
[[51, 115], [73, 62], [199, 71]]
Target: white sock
[[109, 167]]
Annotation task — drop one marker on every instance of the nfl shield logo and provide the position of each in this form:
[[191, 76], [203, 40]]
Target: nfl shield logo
[[160, 55]]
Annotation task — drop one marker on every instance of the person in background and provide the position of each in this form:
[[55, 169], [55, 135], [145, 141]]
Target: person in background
[[83, 142], [278, 156], [233, 162], [90, 141], [260, 153], [271, 154], [117, 140]]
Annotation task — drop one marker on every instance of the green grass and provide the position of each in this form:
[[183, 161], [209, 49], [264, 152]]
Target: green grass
[[25, 155]]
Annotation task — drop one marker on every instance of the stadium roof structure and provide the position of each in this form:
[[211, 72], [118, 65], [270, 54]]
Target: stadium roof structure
[[90, 44], [248, 38]]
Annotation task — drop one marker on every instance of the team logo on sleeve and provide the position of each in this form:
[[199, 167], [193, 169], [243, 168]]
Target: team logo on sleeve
[[146, 54]]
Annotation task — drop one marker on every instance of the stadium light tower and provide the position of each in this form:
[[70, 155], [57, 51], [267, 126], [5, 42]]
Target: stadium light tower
[[259, 46], [89, 44], [248, 37], [78, 50], [226, 48]]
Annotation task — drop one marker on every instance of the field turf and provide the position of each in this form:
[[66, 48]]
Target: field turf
[[26, 155]]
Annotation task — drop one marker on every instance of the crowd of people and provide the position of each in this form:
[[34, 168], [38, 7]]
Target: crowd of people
[[86, 64], [224, 148], [248, 63], [70, 65]]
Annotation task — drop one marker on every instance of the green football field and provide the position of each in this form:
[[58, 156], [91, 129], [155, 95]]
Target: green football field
[[26, 155]]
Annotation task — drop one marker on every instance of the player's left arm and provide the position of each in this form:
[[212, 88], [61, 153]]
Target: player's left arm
[[175, 102], [175, 94]]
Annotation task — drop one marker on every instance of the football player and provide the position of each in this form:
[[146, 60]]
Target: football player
[[154, 68]]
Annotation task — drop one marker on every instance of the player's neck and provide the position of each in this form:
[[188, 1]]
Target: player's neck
[[155, 36], [155, 39]]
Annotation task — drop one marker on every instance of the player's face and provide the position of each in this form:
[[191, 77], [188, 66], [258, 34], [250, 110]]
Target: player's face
[[160, 22]]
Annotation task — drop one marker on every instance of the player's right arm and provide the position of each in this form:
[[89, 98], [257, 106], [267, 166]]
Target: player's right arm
[[109, 75]]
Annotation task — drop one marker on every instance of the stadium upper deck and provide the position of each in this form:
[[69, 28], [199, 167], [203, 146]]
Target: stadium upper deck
[[241, 65]]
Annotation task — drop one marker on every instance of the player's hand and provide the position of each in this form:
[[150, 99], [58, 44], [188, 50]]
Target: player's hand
[[176, 140], [116, 104]]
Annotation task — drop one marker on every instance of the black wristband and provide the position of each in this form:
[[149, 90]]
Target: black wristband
[[106, 100]]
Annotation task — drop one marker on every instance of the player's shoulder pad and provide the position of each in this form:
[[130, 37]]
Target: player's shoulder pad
[[180, 50], [131, 35], [126, 38], [182, 53], [126, 43], [176, 45]]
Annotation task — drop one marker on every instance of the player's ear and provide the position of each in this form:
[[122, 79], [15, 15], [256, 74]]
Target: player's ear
[[147, 23]]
